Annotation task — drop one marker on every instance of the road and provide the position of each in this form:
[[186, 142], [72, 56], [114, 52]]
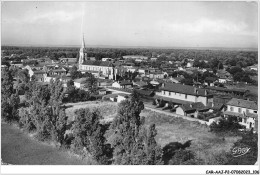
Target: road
[[19, 148]]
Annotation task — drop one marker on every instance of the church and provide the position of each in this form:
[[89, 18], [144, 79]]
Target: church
[[100, 69]]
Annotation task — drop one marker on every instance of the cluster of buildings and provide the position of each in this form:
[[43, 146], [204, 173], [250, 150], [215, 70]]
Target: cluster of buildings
[[153, 83]]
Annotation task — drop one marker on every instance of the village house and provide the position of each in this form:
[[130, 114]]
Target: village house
[[80, 83], [122, 84], [224, 76], [245, 110], [153, 59], [156, 75], [140, 84], [135, 57], [58, 72], [118, 97], [68, 60], [254, 67], [192, 109], [106, 59]]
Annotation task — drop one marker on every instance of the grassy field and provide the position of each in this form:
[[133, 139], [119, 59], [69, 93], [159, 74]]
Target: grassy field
[[204, 143], [108, 109], [19, 149]]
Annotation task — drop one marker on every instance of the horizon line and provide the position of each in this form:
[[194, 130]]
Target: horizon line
[[151, 47]]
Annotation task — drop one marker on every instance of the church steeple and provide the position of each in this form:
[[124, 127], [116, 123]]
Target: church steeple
[[82, 52]]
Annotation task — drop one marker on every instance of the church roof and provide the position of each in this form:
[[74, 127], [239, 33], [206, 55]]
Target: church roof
[[98, 63]]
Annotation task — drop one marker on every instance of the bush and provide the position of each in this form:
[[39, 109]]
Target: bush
[[161, 103], [154, 102], [226, 124]]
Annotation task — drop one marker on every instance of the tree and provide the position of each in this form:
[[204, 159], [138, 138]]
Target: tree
[[74, 73], [6, 92], [59, 123], [91, 84], [132, 143], [89, 135], [6, 85], [56, 95], [233, 70]]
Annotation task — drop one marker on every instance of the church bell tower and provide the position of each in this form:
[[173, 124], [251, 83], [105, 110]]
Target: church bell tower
[[82, 53]]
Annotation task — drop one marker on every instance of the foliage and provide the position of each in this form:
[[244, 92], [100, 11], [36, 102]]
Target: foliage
[[250, 140], [74, 73], [26, 120], [227, 124], [132, 143], [170, 149], [59, 123], [56, 95], [91, 84], [89, 134], [9, 101]]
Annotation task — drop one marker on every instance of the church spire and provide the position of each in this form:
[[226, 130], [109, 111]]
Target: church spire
[[83, 42]]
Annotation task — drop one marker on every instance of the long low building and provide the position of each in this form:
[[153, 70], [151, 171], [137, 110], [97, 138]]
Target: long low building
[[184, 94]]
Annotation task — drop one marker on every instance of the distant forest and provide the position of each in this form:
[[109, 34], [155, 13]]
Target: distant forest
[[227, 57]]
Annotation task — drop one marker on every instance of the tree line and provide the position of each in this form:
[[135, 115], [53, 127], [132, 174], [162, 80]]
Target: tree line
[[227, 57]]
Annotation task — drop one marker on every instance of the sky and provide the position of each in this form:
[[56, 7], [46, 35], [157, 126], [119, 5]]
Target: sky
[[135, 24]]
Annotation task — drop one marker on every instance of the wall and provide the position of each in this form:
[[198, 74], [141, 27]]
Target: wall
[[116, 85], [235, 109], [178, 96], [180, 111]]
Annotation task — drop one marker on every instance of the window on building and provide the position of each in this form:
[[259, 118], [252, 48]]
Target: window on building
[[244, 120], [255, 111], [163, 92], [186, 96], [231, 108], [169, 93], [239, 110]]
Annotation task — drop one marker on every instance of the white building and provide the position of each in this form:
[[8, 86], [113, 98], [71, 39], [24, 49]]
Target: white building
[[183, 94], [245, 110]]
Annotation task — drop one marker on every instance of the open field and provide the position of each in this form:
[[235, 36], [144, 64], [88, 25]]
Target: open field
[[204, 143], [19, 149], [107, 109]]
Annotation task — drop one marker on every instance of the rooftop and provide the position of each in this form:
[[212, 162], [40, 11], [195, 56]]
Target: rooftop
[[243, 103], [184, 89], [98, 63]]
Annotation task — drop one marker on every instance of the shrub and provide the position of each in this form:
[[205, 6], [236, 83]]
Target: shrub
[[226, 124], [154, 102], [161, 103]]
